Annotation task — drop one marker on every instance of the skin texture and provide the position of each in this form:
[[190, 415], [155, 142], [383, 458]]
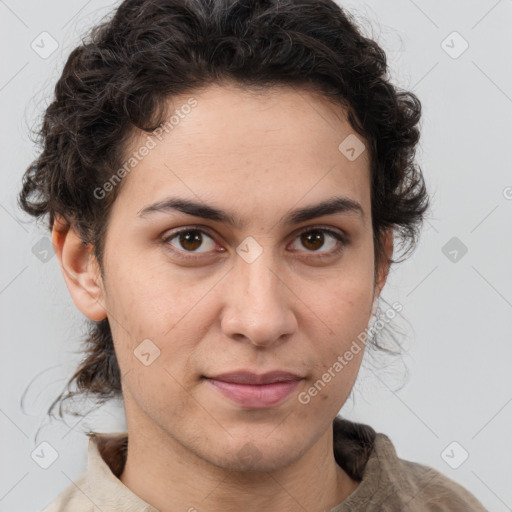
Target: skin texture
[[257, 156]]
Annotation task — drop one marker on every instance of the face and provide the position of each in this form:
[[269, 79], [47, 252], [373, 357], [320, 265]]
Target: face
[[192, 293]]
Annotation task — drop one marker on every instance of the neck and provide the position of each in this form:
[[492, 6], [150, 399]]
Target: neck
[[166, 475]]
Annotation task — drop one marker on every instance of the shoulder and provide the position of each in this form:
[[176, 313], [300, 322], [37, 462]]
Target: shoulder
[[414, 486], [388, 483]]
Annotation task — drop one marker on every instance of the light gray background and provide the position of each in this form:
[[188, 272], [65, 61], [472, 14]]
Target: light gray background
[[456, 315]]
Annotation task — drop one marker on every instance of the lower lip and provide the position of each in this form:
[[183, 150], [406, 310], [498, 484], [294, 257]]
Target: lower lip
[[256, 397]]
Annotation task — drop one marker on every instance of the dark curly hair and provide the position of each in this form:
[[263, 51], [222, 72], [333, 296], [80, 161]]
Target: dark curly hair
[[121, 76]]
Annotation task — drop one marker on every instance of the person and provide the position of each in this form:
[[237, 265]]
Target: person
[[225, 182]]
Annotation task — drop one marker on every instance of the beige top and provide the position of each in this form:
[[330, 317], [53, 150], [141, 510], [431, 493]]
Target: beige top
[[387, 483]]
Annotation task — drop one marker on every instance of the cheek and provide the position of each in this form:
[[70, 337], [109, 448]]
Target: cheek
[[151, 297], [343, 294], [154, 315], [343, 301], [343, 310], [155, 340]]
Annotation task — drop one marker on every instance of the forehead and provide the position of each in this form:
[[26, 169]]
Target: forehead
[[251, 149]]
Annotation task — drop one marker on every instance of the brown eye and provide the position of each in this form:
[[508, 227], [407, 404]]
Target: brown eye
[[313, 240], [191, 240]]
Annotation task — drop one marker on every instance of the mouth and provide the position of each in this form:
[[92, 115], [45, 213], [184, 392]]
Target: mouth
[[255, 391]]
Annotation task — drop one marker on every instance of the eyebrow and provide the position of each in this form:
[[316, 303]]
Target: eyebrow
[[329, 207]]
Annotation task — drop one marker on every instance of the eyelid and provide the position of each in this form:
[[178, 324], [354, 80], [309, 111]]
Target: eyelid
[[193, 227], [169, 235], [328, 229]]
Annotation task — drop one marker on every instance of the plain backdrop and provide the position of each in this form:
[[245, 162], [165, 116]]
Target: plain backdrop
[[452, 408]]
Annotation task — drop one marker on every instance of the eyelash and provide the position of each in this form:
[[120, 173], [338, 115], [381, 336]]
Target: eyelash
[[342, 241]]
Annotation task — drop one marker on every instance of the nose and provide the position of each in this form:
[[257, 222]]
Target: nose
[[258, 303]]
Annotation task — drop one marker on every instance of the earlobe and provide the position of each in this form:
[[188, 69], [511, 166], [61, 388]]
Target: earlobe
[[80, 270]]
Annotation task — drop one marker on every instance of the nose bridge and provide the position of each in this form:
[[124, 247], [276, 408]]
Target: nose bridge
[[258, 307], [256, 274]]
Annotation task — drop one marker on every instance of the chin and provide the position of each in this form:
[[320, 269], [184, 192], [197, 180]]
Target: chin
[[266, 463], [259, 456]]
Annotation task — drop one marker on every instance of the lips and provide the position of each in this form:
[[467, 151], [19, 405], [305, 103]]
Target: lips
[[244, 377], [255, 391]]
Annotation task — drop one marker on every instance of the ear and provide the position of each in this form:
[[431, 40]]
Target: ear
[[383, 269], [80, 270]]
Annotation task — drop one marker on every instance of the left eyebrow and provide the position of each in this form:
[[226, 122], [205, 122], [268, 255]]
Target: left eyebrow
[[332, 206]]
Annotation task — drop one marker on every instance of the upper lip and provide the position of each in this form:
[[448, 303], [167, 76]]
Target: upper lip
[[246, 377]]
